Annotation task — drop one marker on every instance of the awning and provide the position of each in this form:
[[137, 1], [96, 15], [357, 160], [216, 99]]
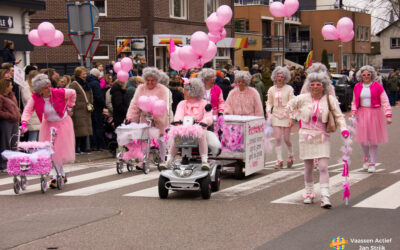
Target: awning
[[230, 42], [21, 42]]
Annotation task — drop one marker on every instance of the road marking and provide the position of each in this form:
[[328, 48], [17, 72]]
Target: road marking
[[396, 171], [256, 185], [388, 198], [362, 170], [71, 180], [335, 184], [107, 186], [148, 192]]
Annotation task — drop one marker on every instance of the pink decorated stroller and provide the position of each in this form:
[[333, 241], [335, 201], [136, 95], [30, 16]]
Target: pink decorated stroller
[[31, 158]]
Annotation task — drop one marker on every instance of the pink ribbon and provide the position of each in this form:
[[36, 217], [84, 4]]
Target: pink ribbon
[[312, 195], [346, 193]]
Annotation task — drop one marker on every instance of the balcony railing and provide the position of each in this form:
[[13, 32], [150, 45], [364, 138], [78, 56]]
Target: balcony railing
[[251, 2], [273, 43], [299, 46]]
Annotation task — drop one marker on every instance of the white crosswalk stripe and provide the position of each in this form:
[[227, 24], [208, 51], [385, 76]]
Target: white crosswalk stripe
[[388, 198]]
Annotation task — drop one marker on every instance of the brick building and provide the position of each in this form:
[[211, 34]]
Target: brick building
[[132, 27]]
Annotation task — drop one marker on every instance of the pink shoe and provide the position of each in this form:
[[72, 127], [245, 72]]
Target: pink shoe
[[365, 163], [278, 165], [290, 161]]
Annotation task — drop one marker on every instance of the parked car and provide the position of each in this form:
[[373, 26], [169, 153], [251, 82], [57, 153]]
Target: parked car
[[344, 90]]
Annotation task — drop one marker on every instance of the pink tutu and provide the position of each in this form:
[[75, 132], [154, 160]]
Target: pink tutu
[[64, 145], [371, 126]]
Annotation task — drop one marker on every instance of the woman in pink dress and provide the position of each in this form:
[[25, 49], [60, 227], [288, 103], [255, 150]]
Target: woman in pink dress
[[53, 107], [213, 94], [194, 106], [370, 104]]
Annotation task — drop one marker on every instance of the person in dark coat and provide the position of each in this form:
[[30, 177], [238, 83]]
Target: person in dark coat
[[119, 102], [97, 138], [225, 85], [176, 88], [8, 53]]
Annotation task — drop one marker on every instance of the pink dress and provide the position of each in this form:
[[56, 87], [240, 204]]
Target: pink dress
[[370, 104], [52, 112]]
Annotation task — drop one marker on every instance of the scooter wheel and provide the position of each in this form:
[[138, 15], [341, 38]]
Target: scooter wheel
[[17, 187], [129, 167], [24, 182], [162, 190], [119, 168], [43, 185], [216, 184], [205, 187]]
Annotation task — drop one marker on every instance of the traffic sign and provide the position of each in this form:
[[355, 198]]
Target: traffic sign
[[93, 48], [82, 42], [81, 17]]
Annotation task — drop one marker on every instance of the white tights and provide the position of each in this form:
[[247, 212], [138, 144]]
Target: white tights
[[278, 132]]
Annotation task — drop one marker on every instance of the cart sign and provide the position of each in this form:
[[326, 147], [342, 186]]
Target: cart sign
[[254, 146]]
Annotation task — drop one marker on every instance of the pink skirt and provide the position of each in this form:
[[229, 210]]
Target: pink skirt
[[371, 126], [64, 144]]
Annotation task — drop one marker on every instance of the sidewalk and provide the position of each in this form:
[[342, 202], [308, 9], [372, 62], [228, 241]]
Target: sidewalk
[[94, 156]]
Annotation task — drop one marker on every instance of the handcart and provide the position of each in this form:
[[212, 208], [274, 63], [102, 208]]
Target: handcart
[[138, 146], [242, 141], [32, 158]]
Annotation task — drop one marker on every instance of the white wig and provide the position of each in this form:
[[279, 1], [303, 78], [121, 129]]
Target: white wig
[[243, 75], [164, 78], [40, 81], [281, 70], [195, 88], [368, 68], [317, 67], [318, 77], [206, 74], [151, 72]]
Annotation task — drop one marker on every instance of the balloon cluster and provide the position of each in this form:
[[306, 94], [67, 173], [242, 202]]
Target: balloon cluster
[[202, 48], [152, 105], [122, 68], [287, 9], [343, 30], [46, 34]]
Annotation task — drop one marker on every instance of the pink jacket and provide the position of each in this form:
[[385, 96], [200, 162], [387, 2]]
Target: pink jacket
[[378, 98], [136, 115], [194, 108], [103, 83], [58, 99], [247, 102], [217, 100]]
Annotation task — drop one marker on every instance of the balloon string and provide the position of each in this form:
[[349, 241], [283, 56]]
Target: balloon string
[[47, 59]]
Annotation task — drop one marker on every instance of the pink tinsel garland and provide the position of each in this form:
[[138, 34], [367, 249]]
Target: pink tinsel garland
[[193, 131], [29, 145], [42, 165]]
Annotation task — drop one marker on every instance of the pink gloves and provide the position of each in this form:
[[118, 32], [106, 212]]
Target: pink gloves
[[345, 133], [23, 128]]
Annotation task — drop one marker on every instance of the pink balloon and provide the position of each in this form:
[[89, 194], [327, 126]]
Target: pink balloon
[[329, 32], [187, 55], [277, 9], [159, 107], [214, 37], [144, 103], [58, 39], [122, 76], [175, 62], [199, 42], [348, 37], [126, 64], [224, 13], [345, 24], [291, 6], [223, 33], [214, 24], [117, 67], [46, 32], [210, 52], [34, 39]]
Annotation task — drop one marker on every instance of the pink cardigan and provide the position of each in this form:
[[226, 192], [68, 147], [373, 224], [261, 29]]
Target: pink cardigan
[[136, 115], [378, 98], [57, 99], [247, 103], [217, 100], [194, 108]]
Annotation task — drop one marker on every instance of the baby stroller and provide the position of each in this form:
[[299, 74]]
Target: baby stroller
[[32, 158], [139, 146], [110, 137]]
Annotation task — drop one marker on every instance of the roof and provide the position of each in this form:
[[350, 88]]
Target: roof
[[25, 4], [390, 25]]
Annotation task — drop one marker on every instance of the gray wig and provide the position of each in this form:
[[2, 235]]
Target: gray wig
[[164, 78], [243, 75], [318, 77], [195, 88], [317, 67], [281, 70], [206, 74], [40, 81], [368, 68], [151, 72]]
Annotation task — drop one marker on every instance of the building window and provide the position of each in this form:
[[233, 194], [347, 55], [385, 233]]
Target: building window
[[358, 33], [366, 35], [241, 25], [96, 32], [101, 6], [178, 9], [395, 43], [278, 60], [330, 57], [210, 6], [293, 35], [346, 61], [278, 28], [102, 52]]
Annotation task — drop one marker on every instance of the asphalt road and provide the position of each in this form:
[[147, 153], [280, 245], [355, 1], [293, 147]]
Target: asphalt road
[[99, 209]]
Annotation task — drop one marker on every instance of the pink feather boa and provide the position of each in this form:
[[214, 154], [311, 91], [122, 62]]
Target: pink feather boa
[[135, 150], [33, 145], [42, 165], [193, 131]]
